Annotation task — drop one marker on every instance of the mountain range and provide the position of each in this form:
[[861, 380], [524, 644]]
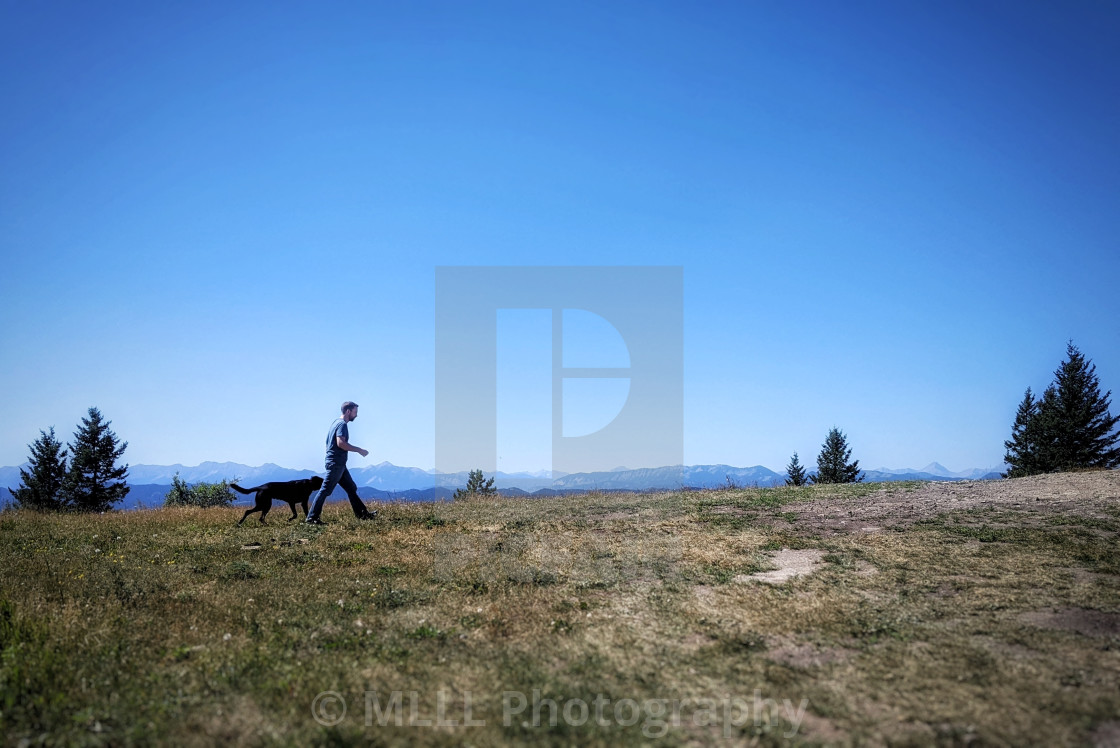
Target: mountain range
[[389, 481]]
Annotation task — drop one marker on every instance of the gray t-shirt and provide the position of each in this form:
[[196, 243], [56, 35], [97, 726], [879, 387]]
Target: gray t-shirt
[[335, 454]]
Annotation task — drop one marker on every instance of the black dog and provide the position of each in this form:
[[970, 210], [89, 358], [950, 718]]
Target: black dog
[[292, 491]]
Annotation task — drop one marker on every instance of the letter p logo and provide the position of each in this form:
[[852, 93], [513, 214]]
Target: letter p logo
[[625, 410]]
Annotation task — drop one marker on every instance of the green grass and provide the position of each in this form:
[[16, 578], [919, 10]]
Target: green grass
[[177, 626]]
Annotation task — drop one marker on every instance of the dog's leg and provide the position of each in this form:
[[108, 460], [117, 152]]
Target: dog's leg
[[246, 514], [292, 506]]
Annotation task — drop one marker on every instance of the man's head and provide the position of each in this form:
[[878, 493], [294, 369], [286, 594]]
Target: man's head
[[349, 411]]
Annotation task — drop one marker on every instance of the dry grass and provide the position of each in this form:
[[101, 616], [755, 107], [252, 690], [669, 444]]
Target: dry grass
[[995, 622]]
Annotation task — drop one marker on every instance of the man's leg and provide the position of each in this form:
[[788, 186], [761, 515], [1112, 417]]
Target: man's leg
[[351, 490], [334, 472]]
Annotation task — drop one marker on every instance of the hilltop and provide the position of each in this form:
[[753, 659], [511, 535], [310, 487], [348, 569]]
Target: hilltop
[[894, 613]]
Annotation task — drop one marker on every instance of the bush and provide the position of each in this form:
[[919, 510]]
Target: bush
[[200, 494]]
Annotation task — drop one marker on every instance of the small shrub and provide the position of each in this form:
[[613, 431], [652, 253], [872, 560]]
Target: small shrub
[[200, 494], [477, 485]]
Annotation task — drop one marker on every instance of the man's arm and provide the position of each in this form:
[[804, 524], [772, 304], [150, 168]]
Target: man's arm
[[345, 445]]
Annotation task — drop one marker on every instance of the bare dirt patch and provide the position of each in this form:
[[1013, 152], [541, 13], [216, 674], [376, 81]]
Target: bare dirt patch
[[1080, 620], [806, 655], [865, 569], [1090, 495], [790, 563]]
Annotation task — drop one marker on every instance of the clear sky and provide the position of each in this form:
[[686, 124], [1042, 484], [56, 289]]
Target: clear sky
[[219, 220]]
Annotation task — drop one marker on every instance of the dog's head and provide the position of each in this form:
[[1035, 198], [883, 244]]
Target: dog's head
[[316, 483]]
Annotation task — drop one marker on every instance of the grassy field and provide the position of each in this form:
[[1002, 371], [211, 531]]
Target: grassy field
[[976, 613]]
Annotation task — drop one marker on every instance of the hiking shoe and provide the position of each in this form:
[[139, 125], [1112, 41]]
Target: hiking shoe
[[369, 515], [316, 521]]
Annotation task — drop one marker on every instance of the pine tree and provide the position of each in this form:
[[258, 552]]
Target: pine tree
[[832, 462], [1069, 427], [95, 482], [477, 485], [41, 484], [1024, 448], [1079, 417], [795, 473]]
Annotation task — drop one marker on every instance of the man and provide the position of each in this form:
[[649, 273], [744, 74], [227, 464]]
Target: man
[[338, 444]]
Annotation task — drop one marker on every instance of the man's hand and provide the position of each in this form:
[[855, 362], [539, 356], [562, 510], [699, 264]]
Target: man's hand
[[343, 444]]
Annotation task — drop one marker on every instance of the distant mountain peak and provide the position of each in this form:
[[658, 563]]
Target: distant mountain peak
[[936, 468]]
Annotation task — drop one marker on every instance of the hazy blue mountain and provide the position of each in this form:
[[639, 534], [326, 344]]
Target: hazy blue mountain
[[933, 471], [879, 476], [713, 476], [386, 480], [523, 481], [9, 478], [384, 476], [144, 496], [693, 476], [214, 472], [147, 496], [989, 473], [528, 482]]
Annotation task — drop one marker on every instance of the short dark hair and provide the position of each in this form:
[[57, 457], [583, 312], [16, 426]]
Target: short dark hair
[[348, 406]]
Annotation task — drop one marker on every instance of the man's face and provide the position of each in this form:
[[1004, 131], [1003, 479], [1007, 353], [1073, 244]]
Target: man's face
[[351, 414]]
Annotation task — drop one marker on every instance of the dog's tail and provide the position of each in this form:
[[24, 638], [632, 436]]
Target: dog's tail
[[239, 489]]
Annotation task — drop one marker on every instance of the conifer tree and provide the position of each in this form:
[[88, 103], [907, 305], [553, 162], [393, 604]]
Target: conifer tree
[[1078, 416], [1069, 427], [94, 482], [795, 473], [41, 484], [477, 485], [1024, 448], [832, 462]]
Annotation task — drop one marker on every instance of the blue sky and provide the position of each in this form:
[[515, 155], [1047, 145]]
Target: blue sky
[[218, 221]]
